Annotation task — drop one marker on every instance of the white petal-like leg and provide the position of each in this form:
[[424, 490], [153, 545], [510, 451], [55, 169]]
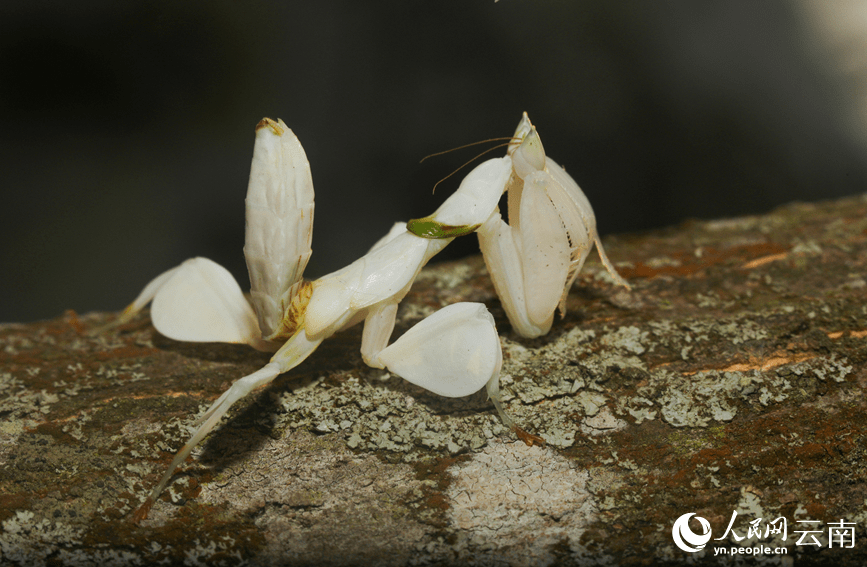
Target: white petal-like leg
[[148, 293], [202, 302], [145, 297], [140, 302], [545, 251], [295, 351], [452, 353], [198, 301]]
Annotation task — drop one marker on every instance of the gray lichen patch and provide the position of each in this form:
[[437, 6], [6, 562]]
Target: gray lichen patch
[[48, 467], [602, 422], [631, 339], [24, 405], [67, 487], [518, 505], [582, 372], [377, 412], [312, 498], [26, 539], [702, 398]]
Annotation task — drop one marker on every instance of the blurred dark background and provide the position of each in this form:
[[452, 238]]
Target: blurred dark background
[[127, 127]]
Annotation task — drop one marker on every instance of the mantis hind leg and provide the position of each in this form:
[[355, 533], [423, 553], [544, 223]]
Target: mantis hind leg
[[618, 279], [454, 352], [293, 353]]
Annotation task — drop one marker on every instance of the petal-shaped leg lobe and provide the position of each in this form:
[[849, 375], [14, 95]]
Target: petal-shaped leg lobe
[[145, 297], [150, 291], [452, 353], [545, 250], [202, 302]]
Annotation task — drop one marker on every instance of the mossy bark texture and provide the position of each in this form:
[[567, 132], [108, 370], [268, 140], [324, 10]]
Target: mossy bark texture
[[729, 382]]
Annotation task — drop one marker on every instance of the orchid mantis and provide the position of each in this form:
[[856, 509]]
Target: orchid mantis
[[454, 352]]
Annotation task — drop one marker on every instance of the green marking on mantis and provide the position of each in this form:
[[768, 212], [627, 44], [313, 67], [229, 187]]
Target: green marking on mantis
[[428, 228]]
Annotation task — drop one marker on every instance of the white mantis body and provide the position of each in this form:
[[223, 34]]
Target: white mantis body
[[454, 352]]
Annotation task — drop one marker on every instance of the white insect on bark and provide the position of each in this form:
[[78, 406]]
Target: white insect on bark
[[533, 262], [454, 352]]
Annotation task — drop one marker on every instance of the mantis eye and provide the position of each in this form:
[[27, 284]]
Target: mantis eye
[[524, 127], [530, 155]]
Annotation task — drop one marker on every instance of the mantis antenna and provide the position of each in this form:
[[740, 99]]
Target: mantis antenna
[[512, 140]]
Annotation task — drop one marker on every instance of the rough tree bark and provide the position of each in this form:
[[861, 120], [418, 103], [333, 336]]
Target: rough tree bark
[[731, 378]]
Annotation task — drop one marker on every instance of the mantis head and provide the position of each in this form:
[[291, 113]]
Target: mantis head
[[529, 156]]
